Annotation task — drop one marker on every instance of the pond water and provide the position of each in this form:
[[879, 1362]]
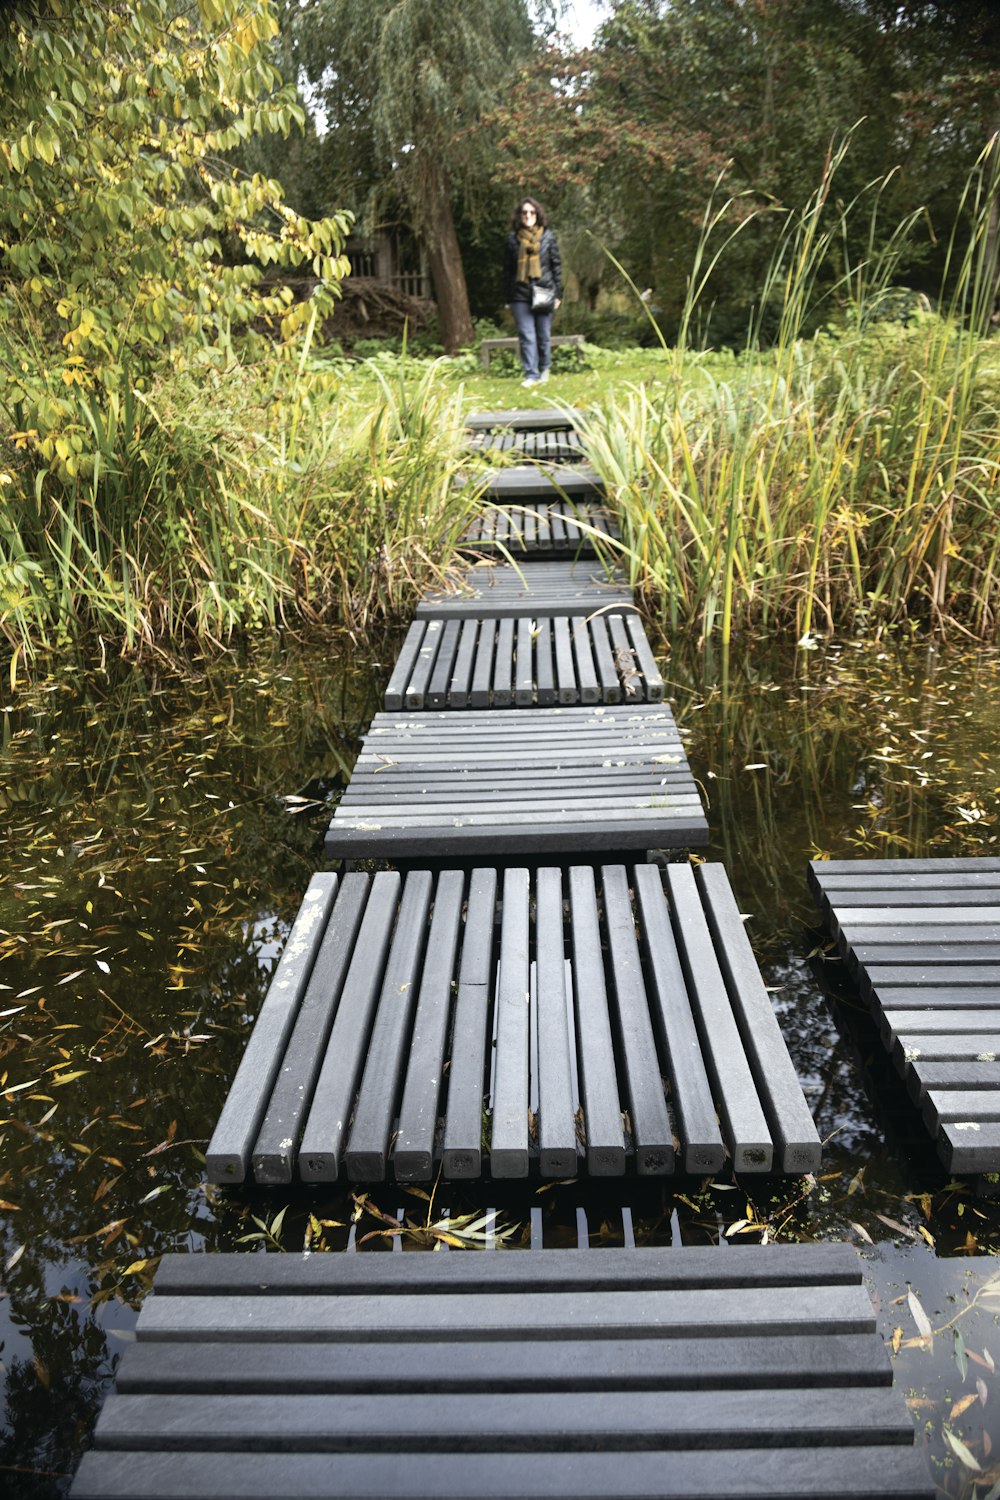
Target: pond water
[[159, 828]]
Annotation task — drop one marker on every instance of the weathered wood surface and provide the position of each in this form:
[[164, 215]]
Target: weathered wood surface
[[921, 938], [527, 781], [739, 1372], [599, 1021], [558, 659], [490, 590], [559, 528], [489, 347]]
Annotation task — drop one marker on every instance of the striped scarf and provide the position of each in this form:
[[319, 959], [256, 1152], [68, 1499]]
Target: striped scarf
[[528, 244]]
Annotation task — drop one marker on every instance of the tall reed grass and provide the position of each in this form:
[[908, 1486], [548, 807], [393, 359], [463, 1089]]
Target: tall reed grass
[[226, 497], [839, 482]]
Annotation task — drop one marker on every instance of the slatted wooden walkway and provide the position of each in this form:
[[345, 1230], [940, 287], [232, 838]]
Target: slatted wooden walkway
[[539, 447], [563, 659], [523, 782], [556, 1375], [921, 937], [561, 528], [595, 1022], [524, 419]]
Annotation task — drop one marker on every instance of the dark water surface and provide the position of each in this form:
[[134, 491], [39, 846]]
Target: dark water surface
[[159, 829]]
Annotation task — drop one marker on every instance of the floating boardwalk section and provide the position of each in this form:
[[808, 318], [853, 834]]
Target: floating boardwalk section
[[536, 1006], [460, 1023], [921, 939], [557, 1374]]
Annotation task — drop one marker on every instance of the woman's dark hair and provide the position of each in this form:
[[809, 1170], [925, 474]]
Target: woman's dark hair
[[540, 218]]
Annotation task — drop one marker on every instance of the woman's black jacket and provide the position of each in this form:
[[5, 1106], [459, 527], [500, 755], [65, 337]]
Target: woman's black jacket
[[548, 254]]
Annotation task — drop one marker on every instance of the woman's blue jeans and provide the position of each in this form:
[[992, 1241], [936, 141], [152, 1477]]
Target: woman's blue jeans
[[534, 332]]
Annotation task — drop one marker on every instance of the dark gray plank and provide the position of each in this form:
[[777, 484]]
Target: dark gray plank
[[647, 662], [595, 1048], [691, 1093], [970, 1145], [413, 1155], [960, 1104], [440, 680], [228, 1153], [624, 658], [743, 1123], [524, 683], [423, 666], [509, 1140], [556, 1125], [482, 672], [858, 1472], [651, 1127], [276, 1147], [464, 658], [748, 1267], [703, 1313], [462, 1152], [570, 1365], [790, 1123], [405, 662], [367, 1152], [527, 1422], [523, 419], [604, 661], [567, 689], [545, 686], [503, 665], [329, 1114], [923, 1075], [590, 691], [527, 481]]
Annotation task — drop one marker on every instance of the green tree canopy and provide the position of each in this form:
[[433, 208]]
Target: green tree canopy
[[123, 225]]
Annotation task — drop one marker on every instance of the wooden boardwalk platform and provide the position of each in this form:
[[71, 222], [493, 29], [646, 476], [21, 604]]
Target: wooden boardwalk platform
[[496, 591], [563, 659], [559, 528], [558, 1375], [527, 781], [596, 1022], [921, 938]]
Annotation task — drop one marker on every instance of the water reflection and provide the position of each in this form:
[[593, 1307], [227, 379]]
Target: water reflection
[[159, 829]]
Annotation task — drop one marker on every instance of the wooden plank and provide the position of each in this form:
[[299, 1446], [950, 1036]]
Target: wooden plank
[[482, 672], [969, 1145], [567, 689], [276, 1147], [503, 666], [690, 1089], [536, 588], [413, 1156], [420, 676], [925, 1074], [743, 1123], [469, 1317], [651, 1127], [228, 1153], [527, 481], [545, 688], [789, 1121], [440, 679], [524, 681], [329, 1113], [396, 687], [509, 1137], [665, 1421], [464, 658], [556, 1124], [367, 1152], [699, 1267], [653, 681], [855, 1472], [604, 661], [960, 1104], [462, 1154], [524, 419], [728, 1363], [590, 691], [605, 1138]]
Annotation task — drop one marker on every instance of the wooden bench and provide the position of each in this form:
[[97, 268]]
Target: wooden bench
[[404, 1007], [566, 1374], [516, 663], [921, 939], [489, 347]]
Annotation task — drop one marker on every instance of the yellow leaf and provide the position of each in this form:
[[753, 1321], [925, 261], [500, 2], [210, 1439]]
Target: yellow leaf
[[962, 1405], [69, 1077]]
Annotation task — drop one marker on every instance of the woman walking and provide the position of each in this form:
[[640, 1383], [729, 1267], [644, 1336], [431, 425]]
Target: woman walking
[[532, 287]]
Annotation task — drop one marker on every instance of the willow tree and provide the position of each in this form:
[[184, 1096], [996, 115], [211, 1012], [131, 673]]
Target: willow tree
[[403, 85]]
